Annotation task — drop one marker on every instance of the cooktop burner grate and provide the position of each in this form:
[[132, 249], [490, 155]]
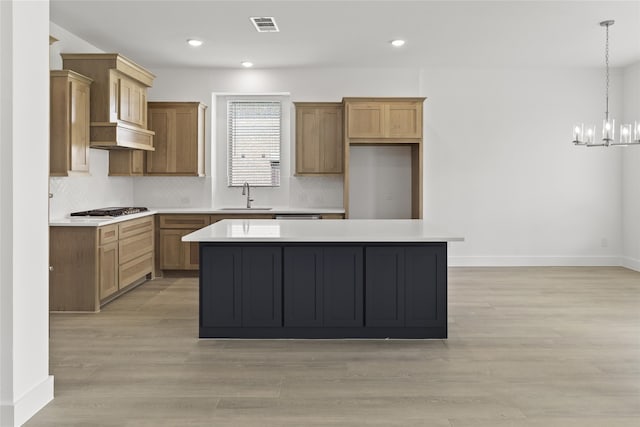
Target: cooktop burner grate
[[112, 211]]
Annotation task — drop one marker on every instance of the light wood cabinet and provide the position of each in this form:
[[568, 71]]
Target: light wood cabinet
[[126, 162], [108, 270], [69, 126], [385, 120], [118, 100], [319, 142], [179, 139], [173, 252], [94, 265]]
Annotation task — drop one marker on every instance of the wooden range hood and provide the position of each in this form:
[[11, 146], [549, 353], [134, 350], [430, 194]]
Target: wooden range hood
[[118, 113]]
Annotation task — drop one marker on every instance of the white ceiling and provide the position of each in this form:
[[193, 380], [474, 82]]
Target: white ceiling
[[356, 33]]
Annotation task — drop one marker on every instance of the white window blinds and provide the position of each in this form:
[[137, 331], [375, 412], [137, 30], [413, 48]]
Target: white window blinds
[[253, 135]]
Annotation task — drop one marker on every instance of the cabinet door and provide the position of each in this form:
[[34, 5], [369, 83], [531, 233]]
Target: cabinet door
[[384, 286], [307, 140], [172, 249], [331, 143], [342, 286], [185, 141], [132, 102], [262, 287], [366, 120], [79, 126], [178, 140], [191, 254], [108, 269], [404, 120], [163, 122], [303, 286], [220, 299], [425, 286], [126, 162]]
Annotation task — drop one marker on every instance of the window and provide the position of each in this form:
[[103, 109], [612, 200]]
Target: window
[[253, 138]]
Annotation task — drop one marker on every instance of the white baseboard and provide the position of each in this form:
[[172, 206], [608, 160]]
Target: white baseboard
[[630, 263], [534, 261], [19, 412]]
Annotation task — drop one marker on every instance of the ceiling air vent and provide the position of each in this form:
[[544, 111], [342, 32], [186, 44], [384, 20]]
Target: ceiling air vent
[[265, 24]]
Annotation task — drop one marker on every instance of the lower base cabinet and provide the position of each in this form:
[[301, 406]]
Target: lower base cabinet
[[299, 291], [405, 287], [91, 266], [323, 286]]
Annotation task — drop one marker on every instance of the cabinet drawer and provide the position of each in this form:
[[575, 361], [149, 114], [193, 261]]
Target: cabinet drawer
[[107, 234], [193, 222], [136, 226], [135, 269], [135, 246]]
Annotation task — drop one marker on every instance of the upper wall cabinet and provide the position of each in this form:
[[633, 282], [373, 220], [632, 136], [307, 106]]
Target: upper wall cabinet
[[179, 138], [319, 142], [118, 99], [383, 119], [69, 127]]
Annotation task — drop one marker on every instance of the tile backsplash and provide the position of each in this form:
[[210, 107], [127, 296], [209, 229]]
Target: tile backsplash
[[96, 190]]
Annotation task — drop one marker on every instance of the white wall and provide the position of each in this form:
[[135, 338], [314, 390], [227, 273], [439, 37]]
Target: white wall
[[96, 190], [25, 384], [380, 182], [631, 173], [501, 171]]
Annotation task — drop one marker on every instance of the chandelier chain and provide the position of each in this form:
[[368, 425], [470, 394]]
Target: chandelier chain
[[606, 58]]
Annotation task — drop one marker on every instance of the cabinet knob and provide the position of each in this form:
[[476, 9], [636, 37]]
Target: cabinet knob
[[51, 268]]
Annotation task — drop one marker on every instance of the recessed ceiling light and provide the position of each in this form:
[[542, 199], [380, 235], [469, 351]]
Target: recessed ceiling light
[[194, 42], [247, 64], [397, 43]]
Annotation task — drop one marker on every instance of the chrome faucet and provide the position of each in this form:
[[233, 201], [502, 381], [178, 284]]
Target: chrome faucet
[[245, 191]]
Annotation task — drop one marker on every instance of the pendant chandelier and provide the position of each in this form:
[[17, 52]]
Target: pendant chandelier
[[585, 135]]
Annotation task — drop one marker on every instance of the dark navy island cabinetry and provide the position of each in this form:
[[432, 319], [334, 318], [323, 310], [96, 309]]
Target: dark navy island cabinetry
[[322, 279], [301, 291]]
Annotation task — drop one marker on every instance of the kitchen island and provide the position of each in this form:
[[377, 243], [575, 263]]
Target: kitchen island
[[323, 279]]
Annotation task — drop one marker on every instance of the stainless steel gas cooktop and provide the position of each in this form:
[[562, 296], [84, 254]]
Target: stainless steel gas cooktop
[[112, 211]]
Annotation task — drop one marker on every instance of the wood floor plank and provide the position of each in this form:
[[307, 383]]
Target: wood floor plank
[[530, 347]]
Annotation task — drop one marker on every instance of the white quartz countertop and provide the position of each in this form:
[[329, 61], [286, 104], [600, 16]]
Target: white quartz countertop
[[349, 230], [95, 221], [99, 221], [257, 209]]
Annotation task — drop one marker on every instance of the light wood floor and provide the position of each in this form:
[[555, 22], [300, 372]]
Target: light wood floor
[[527, 347]]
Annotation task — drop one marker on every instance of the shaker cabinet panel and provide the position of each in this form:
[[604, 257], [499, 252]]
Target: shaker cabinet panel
[[343, 281], [319, 142], [221, 304], [108, 269], [384, 288], [384, 119], [69, 123], [404, 120], [303, 284], [425, 287], [323, 286], [366, 120], [261, 287], [179, 139]]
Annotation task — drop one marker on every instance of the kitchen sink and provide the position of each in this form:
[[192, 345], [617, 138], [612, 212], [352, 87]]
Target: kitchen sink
[[246, 209]]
